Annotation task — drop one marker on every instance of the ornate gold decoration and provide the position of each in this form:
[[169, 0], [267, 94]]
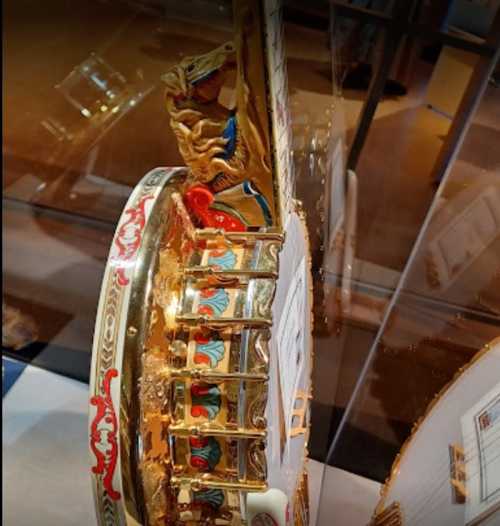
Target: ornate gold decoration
[[198, 274], [222, 146]]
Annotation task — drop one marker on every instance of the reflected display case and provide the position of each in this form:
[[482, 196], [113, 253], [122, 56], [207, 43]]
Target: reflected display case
[[211, 206]]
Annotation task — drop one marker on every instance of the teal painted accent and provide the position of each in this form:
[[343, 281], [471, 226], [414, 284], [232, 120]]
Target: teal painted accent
[[211, 352], [206, 400], [212, 497], [205, 454], [226, 261], [214, 304]]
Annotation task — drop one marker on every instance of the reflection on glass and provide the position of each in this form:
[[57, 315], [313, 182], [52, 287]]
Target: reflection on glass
[[447, 308]]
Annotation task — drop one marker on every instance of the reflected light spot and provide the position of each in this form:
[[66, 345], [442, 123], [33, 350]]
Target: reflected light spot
[[171, 312]]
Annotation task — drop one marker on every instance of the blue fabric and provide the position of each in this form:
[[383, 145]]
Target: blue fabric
[[11, 371]]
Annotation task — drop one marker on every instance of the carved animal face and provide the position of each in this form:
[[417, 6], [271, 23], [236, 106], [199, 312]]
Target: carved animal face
[[200, 77]]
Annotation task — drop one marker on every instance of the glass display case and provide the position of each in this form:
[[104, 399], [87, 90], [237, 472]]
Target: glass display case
[[395, 122]]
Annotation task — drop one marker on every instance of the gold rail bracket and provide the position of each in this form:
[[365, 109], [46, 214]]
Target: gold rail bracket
[[200, 483], [233, 274], [237, 237], [240, 433], [191, 320], [457, 473], [299, 424], [390, 516], [211, 375]]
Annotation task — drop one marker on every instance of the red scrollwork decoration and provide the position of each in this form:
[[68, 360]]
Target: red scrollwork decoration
[[128, 238], [105, 422]]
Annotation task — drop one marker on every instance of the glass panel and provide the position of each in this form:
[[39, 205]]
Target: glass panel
[[447, 302], [83, 122]]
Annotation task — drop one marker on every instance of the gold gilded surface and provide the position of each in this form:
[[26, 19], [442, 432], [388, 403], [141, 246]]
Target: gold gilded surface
[[225, 147], [174, 373], [195, 379]]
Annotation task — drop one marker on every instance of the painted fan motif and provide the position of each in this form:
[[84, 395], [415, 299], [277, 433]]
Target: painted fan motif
[[222, 259], [208, 351], [213, 302], [206, 401], [205, 453]]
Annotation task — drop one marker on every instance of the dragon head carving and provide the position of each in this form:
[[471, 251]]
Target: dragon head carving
[[200, 78]]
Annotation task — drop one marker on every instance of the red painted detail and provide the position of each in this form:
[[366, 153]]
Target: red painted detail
[[198, 200], [200, 390], [205, 309], [196, 461], [208, 293], [199, 463], [198, 410], [128, 237], [198, 442], [105, 423], [200, 337], [217, 253], [201, 359]]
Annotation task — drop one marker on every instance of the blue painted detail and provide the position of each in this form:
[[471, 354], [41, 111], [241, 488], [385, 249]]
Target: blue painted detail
[[205, 453], [231, 133], [261, 200], [11, 371]]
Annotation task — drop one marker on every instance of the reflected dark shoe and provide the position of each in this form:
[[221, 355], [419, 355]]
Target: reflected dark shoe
[[358, 78], [394, 88]]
